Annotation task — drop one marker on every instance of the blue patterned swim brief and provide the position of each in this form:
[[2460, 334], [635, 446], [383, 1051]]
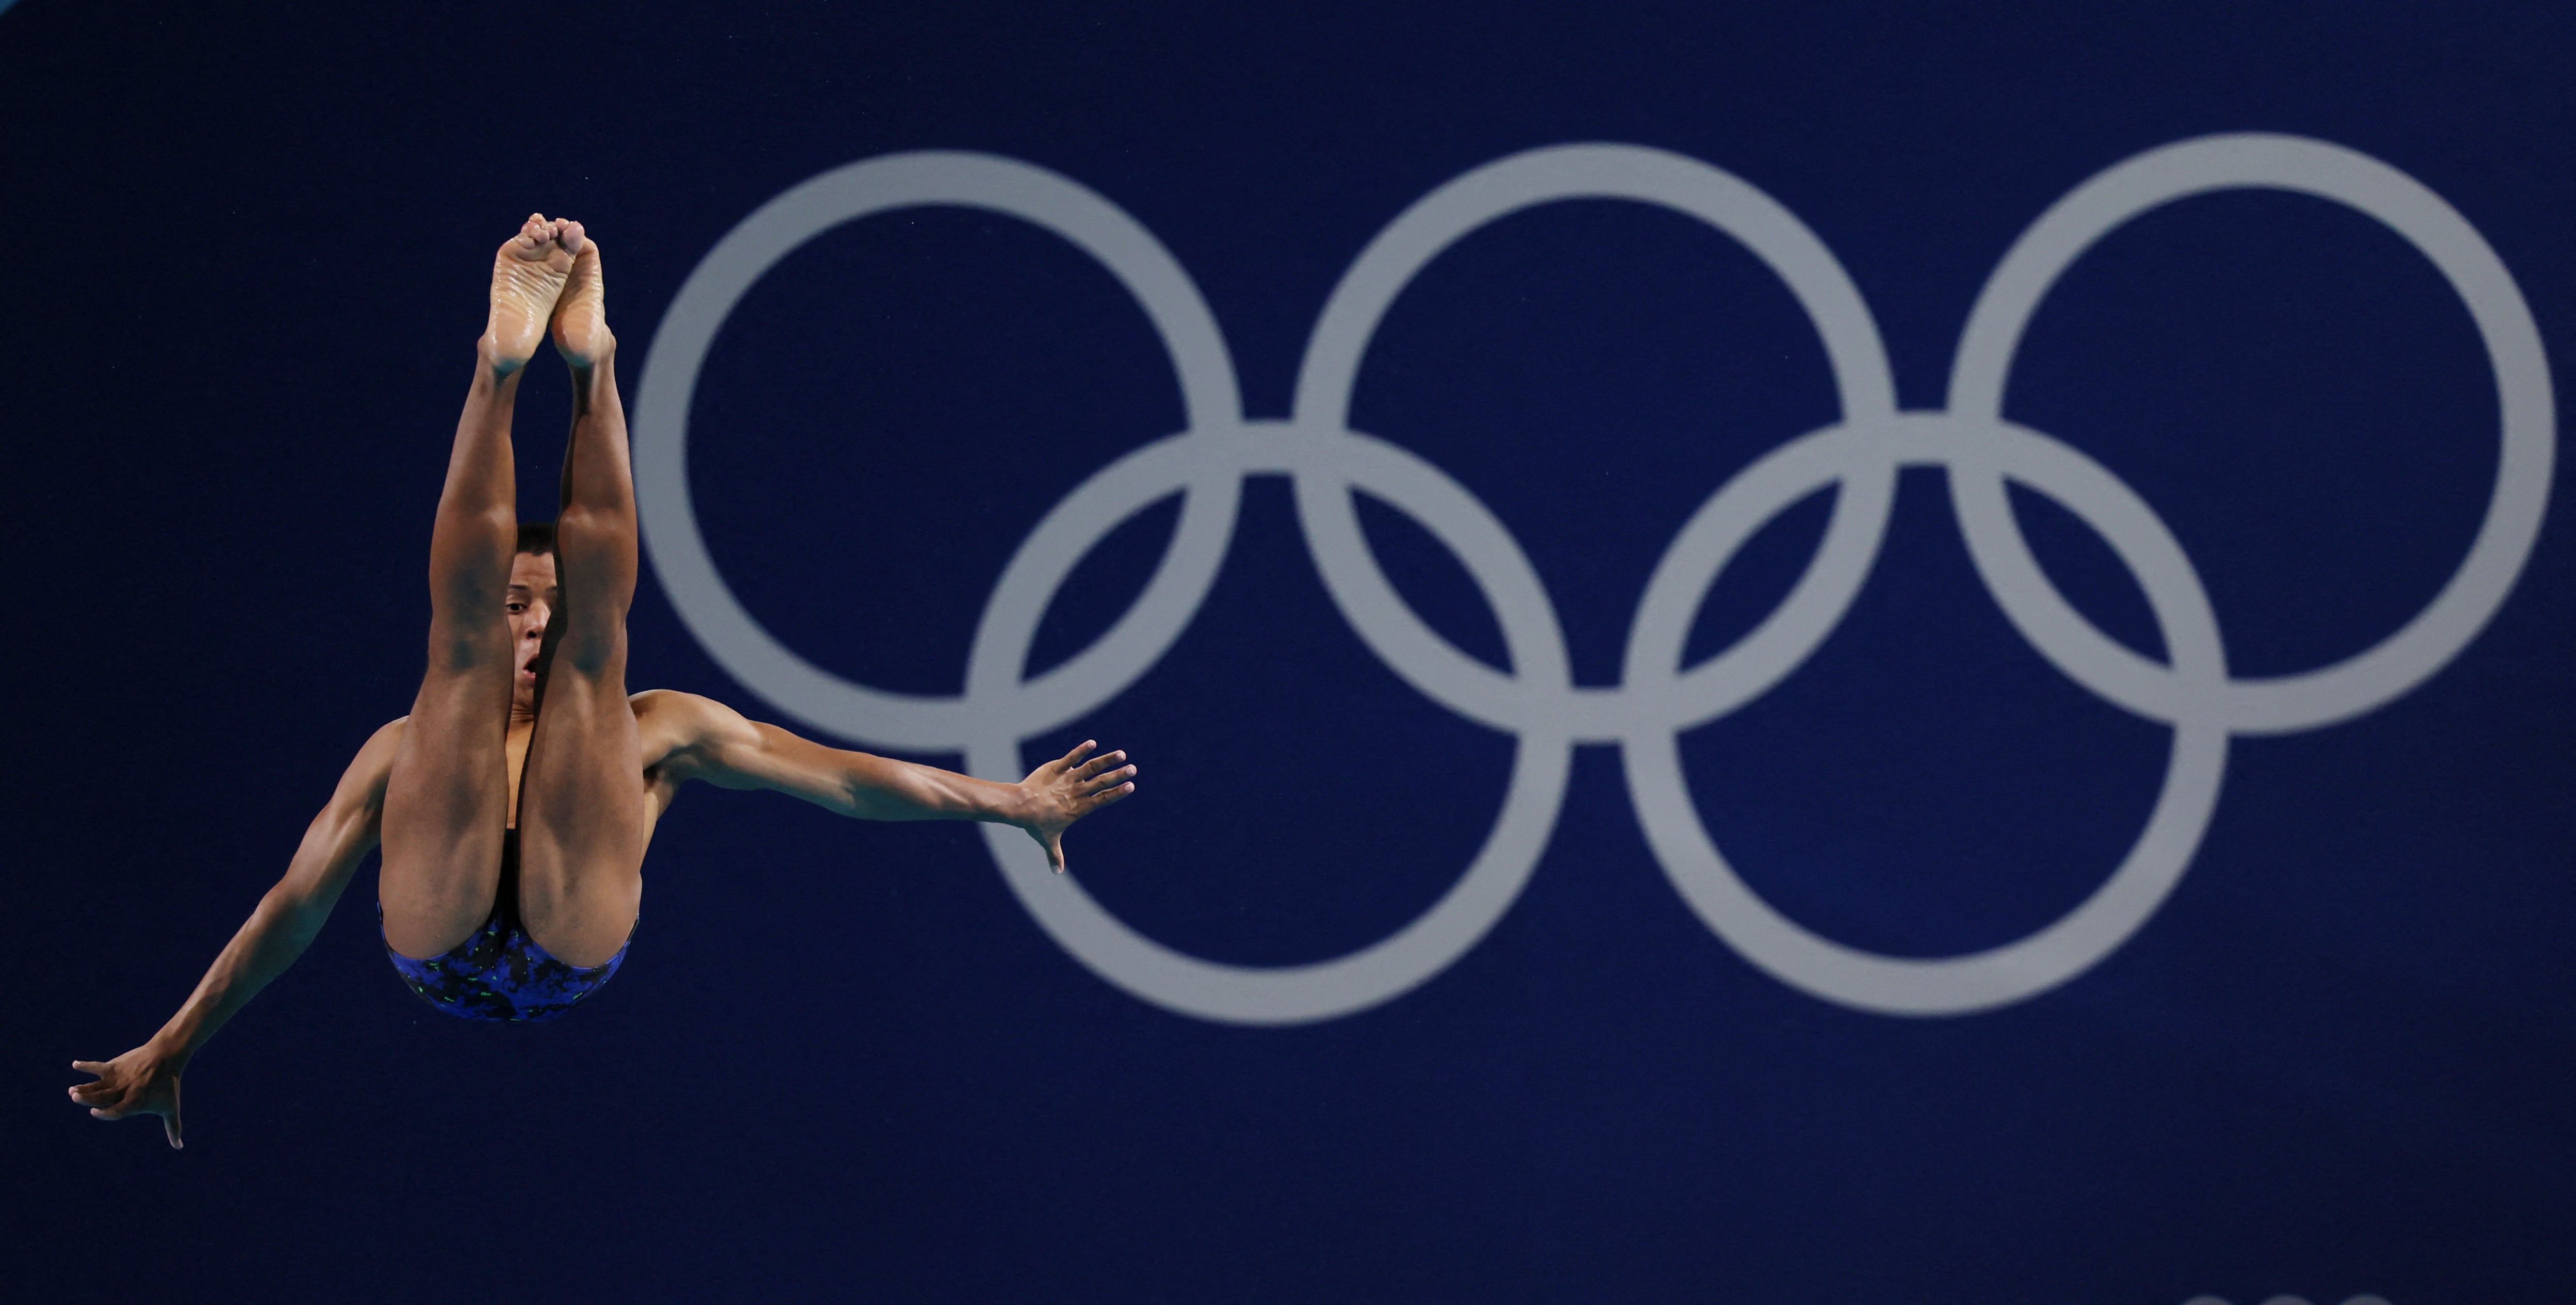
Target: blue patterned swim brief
[[500, 973]]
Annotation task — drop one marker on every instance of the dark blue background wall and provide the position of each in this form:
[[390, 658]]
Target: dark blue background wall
[[242, 257]]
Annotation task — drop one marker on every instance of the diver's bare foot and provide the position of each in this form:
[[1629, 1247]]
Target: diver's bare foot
[[528, 276], [581, 315]]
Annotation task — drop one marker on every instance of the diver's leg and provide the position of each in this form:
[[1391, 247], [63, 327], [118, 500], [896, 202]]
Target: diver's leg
[[583, 818], [447, 798]]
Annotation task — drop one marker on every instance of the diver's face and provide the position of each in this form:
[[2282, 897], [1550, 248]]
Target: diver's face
[[531, 603]]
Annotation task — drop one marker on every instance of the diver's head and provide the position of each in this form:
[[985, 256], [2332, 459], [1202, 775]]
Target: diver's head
[[530, 601]]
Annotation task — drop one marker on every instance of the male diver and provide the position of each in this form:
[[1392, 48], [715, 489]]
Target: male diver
[[514, 803]]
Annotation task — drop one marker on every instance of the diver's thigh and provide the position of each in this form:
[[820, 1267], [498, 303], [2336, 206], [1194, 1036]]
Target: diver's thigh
[[446, 802], [584, 820]]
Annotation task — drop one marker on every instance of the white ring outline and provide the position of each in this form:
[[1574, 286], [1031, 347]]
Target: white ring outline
[[931, 177], [2076, 941], [1287, 994], [1862, 381], [1657, 699], [2436, 633]]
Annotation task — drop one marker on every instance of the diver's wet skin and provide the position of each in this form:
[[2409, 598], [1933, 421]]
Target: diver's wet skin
[[528, 275], [514, 803], [581, 313]]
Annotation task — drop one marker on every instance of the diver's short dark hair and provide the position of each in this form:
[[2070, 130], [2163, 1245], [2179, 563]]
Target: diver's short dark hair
[[537, 537]]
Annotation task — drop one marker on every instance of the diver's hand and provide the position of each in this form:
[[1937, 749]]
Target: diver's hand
[[1065, 790], [143, 1081]]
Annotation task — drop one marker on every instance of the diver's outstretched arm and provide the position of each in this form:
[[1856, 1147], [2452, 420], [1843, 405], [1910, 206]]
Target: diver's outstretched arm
[[701, 738], [145, 1081]]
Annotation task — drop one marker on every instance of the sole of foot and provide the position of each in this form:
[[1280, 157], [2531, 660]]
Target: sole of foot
[[528, 276], [581, 314]]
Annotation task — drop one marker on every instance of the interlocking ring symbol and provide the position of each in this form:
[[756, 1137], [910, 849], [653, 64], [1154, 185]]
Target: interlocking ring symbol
[[1657, 698]]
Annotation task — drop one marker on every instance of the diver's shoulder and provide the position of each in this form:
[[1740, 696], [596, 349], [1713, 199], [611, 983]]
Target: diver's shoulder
[[386, 738], [672, 721], [665, 703]]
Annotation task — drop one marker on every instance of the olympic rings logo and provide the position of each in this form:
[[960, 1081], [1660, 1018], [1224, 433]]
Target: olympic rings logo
[[1658, 698]]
